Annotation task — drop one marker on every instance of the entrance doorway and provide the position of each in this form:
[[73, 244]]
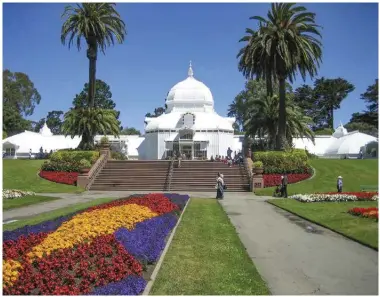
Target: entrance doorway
[[187, 149]]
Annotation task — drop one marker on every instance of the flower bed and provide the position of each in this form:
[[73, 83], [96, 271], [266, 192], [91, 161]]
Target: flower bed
[[11, 194], [271, 180], [61, 177], [336, 197], [102, 250], [369, 212]]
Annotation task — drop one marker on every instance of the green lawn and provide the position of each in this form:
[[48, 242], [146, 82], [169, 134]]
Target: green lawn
[[334, 215], [25, 201], [55, 214], [354, 173], [206, 257], [22, 175]]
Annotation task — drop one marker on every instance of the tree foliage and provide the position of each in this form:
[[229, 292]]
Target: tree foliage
[[54, 121], [102, 99], [286, 43], [20, 98], [320, 101], [88, 122], [157, 112], [130, 131], [99, 24]]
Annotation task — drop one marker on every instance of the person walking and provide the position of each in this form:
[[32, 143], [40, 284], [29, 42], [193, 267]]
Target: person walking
[[339, 184], [285, 186], [179, 158], [219, 186]]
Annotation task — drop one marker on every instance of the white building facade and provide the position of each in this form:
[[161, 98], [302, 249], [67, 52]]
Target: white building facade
[[189, 126]]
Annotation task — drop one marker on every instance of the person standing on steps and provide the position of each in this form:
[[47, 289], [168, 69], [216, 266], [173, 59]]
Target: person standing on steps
[[285, 186], [339, 184], [219, 186]]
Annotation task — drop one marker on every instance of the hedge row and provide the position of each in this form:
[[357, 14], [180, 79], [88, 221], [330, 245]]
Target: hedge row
[[295, 161], [74, 156], [70, 160]]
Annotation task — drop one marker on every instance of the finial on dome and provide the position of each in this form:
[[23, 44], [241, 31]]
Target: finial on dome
[[190, 72]]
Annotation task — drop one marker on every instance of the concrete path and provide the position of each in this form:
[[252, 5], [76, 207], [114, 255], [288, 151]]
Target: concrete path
[[68, 199], [296, 257]]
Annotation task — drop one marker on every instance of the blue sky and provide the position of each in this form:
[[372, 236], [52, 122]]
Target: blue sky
[[161, 40]]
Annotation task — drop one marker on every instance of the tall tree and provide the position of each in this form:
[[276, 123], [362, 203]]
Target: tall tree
[[130, 131], [320, 101], [99, 24], [20, 97], [329, 93], [287, 42], [371, 97], [54, 121]]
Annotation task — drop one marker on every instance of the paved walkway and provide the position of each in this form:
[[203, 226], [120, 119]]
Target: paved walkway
[[68, 199], [297, 257]]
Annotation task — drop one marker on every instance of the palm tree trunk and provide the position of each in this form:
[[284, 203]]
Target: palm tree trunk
[[269, 85], [281, 115], [92, 53]]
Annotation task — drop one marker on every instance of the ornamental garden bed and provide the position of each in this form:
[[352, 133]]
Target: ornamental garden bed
[[272, 180], [109, 249], [369, 212], [336, 197]]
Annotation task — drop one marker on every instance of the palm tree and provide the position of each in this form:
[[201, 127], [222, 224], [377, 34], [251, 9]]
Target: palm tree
[[285, 43], [99, 24], [263, 120], [87, 122]]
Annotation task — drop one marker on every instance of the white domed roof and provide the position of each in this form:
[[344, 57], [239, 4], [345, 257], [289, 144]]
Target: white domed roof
[[202, 121], [190, 94]]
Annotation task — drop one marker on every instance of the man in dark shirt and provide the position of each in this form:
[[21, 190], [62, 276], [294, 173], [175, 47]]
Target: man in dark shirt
[[285, 186]]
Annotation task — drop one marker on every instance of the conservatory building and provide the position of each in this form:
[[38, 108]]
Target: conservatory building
[[190, 125]]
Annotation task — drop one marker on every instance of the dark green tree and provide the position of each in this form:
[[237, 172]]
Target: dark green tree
[[371, 98], [99, 24], [286, 43], [157, 112], [320, 101], [102, 99], [130, 131]]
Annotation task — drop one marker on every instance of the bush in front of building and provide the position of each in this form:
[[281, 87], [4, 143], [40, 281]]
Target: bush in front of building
[[74, 156], [118, 156], [278, 162]]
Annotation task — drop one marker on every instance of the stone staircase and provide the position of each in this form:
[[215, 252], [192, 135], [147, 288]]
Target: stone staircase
[[163, 176], [201, 176], [133, 175]]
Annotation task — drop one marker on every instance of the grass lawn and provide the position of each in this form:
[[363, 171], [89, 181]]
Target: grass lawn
[[22, 175], [54, 214], [334, 215], [354, 172], [206, 257], [25, 201]]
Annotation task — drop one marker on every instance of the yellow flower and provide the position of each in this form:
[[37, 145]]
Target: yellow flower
[[88, 225], [11, 270]]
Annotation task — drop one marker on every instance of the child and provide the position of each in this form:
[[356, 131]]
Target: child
[[277, 191]]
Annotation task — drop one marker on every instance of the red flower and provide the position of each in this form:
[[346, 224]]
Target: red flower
[[359, 195], [271, 180], [370, 212], [60, 177]]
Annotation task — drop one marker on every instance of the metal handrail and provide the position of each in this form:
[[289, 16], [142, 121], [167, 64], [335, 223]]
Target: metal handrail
[[170, 175], [95, 170]]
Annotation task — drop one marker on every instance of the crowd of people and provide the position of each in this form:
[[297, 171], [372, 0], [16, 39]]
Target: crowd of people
[[229, 159]]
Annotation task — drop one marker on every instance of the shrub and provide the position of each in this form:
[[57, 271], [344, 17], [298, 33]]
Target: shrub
[[324, 131], [118, 156], [258, 164], [61, 166], [295, 161], [104, 140], [85, 163], [74, 156]]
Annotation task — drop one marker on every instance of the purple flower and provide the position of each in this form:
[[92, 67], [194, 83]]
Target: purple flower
[[147, 240], [131, 285], [46, 226], [178, 199]]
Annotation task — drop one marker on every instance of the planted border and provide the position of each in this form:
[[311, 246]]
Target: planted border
[[103, 250]]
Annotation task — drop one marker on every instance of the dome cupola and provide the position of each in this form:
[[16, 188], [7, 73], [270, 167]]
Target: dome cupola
[[189, 95]]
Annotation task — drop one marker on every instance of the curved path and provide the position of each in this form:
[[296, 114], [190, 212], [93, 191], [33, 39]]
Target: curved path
[[297, 257]]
